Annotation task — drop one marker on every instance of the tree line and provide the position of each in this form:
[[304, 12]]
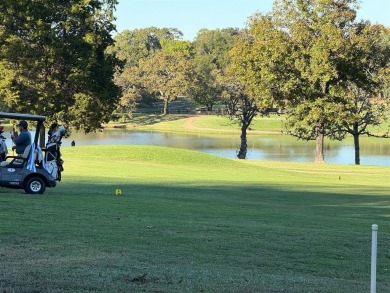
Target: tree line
[[313, 58], [330, 71]]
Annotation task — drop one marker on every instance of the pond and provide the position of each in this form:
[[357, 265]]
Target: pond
[[374, 151]]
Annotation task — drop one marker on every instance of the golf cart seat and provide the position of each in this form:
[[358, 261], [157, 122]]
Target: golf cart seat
[[17, 161]]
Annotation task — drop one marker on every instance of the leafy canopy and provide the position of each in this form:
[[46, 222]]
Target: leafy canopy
[[53, 60]]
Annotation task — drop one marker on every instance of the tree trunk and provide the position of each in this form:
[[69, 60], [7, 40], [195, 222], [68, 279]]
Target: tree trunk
[[244, 145], [320, 144], [356, 143], [165, 110]]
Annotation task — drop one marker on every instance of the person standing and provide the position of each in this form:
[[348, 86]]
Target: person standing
[[3, 145], [23, 139]]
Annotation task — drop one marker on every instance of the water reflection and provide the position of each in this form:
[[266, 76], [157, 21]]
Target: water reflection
[[262, 147]]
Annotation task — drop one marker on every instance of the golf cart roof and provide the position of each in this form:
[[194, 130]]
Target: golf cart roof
[[18, 116]]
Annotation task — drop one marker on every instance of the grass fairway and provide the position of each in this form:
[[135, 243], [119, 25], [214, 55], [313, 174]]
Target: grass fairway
[[205, 124], [211, 124], [191, 222]]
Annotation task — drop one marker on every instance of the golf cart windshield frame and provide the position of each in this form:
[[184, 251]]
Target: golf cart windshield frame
[[17, 116]]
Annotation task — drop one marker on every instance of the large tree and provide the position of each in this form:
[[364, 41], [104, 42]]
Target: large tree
[[205, 89], [319, 32], [133, 47], [241, 107], [366, 104], [255, 88], [167, 74], [211, 58], [53, 60], [263, 62]]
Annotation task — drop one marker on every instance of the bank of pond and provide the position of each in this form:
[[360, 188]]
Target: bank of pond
[[374, 151]]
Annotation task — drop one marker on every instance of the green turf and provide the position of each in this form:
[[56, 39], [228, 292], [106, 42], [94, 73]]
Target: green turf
[[205, 124], [213, 124], [273, 123], [191, 222]]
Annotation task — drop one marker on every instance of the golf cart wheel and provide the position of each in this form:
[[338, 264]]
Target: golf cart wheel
[[35, 185]]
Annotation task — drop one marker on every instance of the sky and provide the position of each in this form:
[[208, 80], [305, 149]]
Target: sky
[[189, 16]]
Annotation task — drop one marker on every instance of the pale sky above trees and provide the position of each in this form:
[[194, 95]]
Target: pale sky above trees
[[189, 16]]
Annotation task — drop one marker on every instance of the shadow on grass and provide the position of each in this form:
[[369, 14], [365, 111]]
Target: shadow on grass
[[238, 196], [178, 238]]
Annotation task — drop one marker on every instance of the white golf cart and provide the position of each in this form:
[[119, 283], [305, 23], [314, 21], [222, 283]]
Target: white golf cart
[[36, 168]]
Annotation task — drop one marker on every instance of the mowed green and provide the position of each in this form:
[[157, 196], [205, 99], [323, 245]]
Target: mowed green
[[213, 124], [191, 222], [205, 124]]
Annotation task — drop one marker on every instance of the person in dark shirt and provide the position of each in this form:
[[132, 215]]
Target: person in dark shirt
[[23, 139]]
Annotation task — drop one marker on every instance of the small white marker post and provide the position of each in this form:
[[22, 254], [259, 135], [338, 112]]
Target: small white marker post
[[373, 257]]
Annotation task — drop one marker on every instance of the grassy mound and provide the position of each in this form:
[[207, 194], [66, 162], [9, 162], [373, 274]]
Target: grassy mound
[[150, 164], [190, 222], [148, 154]]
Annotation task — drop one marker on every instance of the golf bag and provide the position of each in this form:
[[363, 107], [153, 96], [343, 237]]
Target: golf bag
[[53, 161], [3, 149]]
